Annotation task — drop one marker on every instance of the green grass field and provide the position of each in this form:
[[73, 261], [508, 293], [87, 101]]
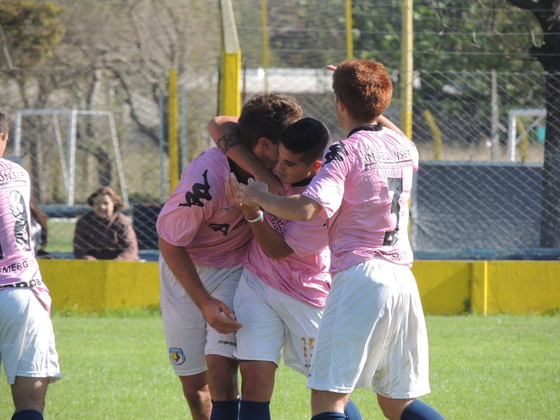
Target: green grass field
[[115, 366], [61, 235]]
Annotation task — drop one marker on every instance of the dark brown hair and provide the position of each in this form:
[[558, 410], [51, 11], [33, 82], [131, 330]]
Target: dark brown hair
[[41, 217], [4, 122], [266, 114], [106, 191]]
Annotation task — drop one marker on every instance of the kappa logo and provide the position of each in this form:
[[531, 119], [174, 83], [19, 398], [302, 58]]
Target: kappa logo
[[199, 192], [220, 228], [336, 152], [176, 355]]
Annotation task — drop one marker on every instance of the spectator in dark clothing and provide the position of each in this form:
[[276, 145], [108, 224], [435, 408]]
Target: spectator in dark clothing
[[105, 233], [39, 230]]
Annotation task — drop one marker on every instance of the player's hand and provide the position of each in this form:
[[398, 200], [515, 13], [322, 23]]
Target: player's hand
[[247, 195], [331, 67], [248, 210], [219, 316]]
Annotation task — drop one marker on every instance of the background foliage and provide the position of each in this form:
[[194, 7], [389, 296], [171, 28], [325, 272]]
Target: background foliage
[[472, 61]]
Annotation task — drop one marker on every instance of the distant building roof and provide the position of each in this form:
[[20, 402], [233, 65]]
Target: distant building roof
[[288, 80]]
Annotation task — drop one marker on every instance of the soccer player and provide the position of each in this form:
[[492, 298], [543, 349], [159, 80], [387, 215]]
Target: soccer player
[[203, 240], [373, 332], [27, 345], [280, 302], [281, 294]]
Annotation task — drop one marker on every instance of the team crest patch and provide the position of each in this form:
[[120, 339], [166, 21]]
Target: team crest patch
[[176, 356]]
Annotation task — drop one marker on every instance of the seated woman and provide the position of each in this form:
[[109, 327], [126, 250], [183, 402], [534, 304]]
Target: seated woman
[[105, 233]]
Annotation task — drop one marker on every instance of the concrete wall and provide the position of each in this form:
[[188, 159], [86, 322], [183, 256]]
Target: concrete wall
[[92, 286], [446, 287]]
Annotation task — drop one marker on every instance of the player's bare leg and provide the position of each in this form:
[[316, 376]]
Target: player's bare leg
[[407, 409], [195, 390], [29, 393], [328, 402], [222, 377], [257, 388], [392, 408], [258, 380], [223, 385]]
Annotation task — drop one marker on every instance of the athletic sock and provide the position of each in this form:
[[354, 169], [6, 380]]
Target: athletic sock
[[254, 410], [27, 415], [329, 416], [352, 412], [225, 410], [417, 410]]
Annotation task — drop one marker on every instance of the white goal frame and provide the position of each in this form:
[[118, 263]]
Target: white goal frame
[[513, 138], [68, 163]]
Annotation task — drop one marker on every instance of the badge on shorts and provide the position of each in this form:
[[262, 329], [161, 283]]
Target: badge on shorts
[[176, 356]]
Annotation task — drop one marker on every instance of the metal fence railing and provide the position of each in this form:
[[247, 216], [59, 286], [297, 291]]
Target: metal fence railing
[[85, 123], [458, 117]]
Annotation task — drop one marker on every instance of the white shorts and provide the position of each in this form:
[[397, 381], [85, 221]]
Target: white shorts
[[373, 334], [271, 321], [27, 346], [189, 339]]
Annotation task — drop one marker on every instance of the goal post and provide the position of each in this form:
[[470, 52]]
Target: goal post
[[513, 137], [67, 155]]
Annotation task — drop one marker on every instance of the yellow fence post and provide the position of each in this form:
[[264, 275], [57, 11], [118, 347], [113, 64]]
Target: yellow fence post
[[230, 92], [407, 68], [479, 287], [349, 35], [435, 132]]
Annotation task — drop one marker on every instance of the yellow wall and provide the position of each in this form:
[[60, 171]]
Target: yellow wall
[[446, 287], [92, 286], [516, 286]]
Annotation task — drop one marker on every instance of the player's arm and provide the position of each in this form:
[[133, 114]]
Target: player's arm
[[385, 122], [272, 242], [224, 131], [293, 207], [183, 268]]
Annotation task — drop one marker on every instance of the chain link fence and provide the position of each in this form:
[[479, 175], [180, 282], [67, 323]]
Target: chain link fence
[[480, 134]]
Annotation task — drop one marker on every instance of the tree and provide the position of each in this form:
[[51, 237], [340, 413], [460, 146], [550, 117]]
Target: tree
[[447, 35], [30, 32], [547, 13]]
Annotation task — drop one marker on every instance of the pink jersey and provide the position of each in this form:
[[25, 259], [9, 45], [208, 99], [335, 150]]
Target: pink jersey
[[303, 275], [18, 266], [363, 188], [199, 217]]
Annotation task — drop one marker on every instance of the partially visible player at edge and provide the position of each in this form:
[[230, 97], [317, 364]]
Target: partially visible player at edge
[[284, 286], [203, 240], [373, 332], [27, 346]]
